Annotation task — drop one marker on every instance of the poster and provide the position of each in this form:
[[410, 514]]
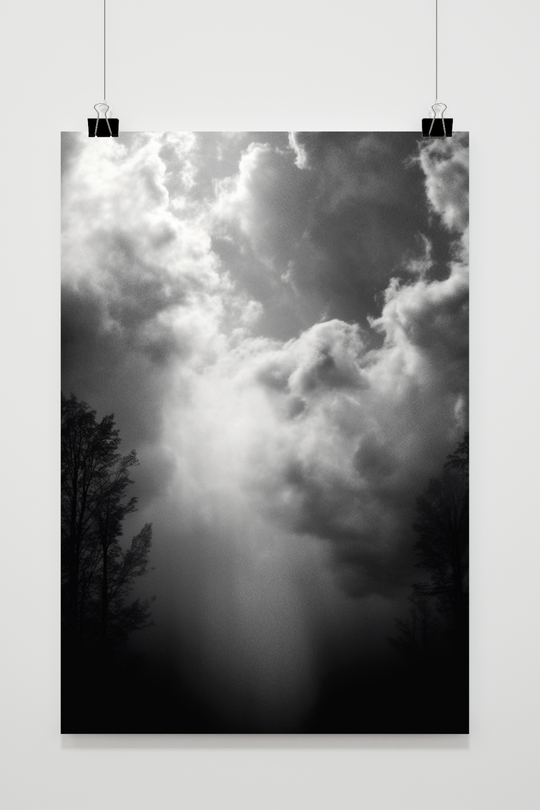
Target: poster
[[265, 433]]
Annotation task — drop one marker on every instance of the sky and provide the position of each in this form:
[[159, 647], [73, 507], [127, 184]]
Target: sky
[[279, 323]]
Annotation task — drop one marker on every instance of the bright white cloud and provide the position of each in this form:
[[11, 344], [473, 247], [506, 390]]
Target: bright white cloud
[[267, 200]]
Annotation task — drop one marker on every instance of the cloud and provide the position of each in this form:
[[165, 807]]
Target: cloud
[[420, 263], [445, 163], [325, 357], [267, 199], [361, 220], [350, 166], [316, 231]]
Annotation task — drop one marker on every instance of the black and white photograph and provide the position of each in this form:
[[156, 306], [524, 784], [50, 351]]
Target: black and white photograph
[[264, 433]]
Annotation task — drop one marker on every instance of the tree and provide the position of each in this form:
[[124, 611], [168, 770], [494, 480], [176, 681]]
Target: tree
[[97, 573], [416, 634], [439, 606], [443, 544]]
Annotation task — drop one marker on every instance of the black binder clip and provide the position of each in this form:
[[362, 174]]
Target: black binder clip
[[437, 127], [102, 127]]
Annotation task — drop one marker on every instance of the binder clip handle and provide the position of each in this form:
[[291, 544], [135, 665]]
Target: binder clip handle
[[438, 104], [107, 108]]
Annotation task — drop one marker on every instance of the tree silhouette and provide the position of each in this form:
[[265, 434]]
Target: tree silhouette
[[443, 545], [434, 635], [97, 573], [417, 633]]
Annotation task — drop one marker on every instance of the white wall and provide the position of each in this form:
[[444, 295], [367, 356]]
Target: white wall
[[282, 65]]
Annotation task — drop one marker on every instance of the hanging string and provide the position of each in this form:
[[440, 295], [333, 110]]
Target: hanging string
[[104, 50], [436, 49]]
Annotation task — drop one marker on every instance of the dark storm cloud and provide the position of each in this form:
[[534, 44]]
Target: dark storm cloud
[[348, 518], [373, 460], [366, 215], [317, 231]]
